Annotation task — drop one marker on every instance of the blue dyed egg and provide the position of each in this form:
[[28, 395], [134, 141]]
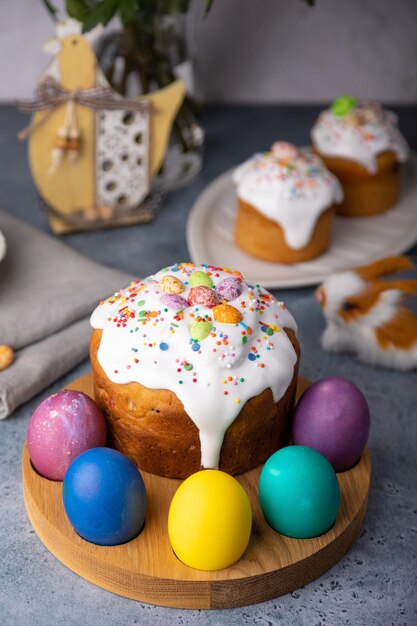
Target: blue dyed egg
[[104, 497], [299, 492]]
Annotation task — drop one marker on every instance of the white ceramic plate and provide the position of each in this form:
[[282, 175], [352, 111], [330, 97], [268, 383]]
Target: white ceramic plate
[[355, 241], [2, 246]]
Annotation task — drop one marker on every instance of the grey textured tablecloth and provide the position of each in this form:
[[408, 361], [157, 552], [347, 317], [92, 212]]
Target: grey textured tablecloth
[[47, 293]]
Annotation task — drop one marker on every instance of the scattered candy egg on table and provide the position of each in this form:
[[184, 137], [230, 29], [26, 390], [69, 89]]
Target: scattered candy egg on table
[[104, 497], [299, 492], [171, 284], [227, 314], [210, 520], [204, 296], [332, 416], [198, 278], [63, 426], [6, 357], [229, 289]]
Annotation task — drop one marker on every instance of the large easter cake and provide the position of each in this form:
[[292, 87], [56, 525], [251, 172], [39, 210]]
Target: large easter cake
[[193, 367]]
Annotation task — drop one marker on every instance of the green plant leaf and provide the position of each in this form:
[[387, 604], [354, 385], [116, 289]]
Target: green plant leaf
[[52, 10], [128, 10], [78, 9], [101, 13], [209, 4]]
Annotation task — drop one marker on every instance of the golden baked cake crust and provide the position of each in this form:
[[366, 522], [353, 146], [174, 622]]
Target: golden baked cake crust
[[151, 427], [366, 193], [263, 238]]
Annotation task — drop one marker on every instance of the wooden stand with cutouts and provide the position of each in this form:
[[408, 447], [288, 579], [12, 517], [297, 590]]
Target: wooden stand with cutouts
[[146, 568]]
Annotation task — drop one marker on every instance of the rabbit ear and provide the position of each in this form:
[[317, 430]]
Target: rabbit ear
[[384, 267], [408, 287]]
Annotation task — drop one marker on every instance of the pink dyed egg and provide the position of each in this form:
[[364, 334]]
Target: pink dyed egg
[[204, 296], [63, 426]]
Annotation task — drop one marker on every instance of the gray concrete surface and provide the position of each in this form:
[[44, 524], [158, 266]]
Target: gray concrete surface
[[375, 583]]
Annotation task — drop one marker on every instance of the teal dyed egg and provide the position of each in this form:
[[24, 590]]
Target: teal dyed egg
[[198, 278], [299, 492]]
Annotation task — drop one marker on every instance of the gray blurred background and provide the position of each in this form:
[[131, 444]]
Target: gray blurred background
[[260, 51]]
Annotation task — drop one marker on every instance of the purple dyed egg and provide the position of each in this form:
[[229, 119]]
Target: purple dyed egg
[[332, 417], [63, 426], [173, 301], [229, 289]]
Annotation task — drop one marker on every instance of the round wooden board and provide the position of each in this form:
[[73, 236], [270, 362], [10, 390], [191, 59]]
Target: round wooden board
[[146, 568]]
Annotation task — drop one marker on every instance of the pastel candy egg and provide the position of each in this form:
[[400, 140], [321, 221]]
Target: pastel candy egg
[[332, 416], [371, 112], [299, 492], [209, 520], [174, 301], [229, 289], [204, 296], [200, 278], [200, 330], [63, 426], [227, 314], [171, 284], [284, 150], [343, 105], [104, 497]]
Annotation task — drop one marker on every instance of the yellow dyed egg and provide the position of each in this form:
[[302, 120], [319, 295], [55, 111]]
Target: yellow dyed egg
[[171, 284], [227, 314], [210, 520]]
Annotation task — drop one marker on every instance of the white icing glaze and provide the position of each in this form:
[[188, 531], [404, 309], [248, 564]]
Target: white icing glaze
[[360, 135], [292, 191], [144, 341]]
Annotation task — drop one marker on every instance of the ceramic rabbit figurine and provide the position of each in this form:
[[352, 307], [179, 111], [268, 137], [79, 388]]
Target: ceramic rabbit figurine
[[365, 314]]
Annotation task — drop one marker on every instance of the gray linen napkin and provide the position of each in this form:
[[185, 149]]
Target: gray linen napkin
[[47, 293]]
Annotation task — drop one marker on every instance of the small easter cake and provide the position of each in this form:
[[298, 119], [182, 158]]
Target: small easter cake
[[361, 144], [285, 204], [194, 368]]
